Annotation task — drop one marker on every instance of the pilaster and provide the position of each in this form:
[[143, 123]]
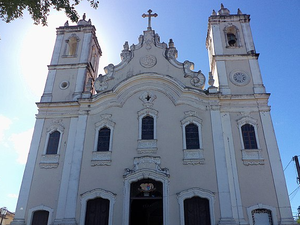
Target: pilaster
[[222, 170], [67, 204], [234, 186]]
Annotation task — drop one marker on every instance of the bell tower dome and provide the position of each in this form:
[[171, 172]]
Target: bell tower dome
[[74, 63], [232, 56]]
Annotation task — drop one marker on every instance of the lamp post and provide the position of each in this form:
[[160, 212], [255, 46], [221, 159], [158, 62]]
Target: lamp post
[[3, 214]]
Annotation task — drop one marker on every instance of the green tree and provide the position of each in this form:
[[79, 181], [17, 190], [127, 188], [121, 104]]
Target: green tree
[[39, 9]]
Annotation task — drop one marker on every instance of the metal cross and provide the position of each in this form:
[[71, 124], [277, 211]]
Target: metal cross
[[149, 15]]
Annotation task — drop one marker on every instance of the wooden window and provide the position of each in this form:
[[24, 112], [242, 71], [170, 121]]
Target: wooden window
[[196, 211], [249, 137], [97, 212], [53, 143], [40, 217], [103, 139], [147, 128], [192, 136]]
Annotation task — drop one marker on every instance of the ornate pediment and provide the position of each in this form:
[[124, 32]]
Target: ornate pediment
[[150, 55]]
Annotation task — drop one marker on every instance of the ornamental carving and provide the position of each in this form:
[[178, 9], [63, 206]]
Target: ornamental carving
[[101, 82], [126, 54], [197, 78], [149, 163], [148, 61], [252, 157], [193, 156], [147, 98]]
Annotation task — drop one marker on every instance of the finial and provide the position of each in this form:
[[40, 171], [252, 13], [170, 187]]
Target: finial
[[213, 13], [84, 16], [223, 11], [239, 12], [66, 23], [149, 15], [211, 80]]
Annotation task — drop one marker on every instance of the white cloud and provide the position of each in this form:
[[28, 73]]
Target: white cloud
[[21, 144], [5, 123]]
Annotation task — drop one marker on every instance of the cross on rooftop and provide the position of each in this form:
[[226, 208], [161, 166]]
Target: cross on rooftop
[[149, 15]]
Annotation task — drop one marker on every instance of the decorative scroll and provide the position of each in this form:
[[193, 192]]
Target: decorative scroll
[[197, 78]]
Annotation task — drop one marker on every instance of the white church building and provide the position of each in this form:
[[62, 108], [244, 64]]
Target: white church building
[[152, 142]]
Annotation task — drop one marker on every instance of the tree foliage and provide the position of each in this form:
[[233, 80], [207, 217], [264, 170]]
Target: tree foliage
[[39, 9]]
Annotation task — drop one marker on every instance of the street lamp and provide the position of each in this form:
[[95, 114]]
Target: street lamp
[[3, 214]]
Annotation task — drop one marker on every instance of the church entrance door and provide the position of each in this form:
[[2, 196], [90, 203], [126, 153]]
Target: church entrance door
[[146, 202]]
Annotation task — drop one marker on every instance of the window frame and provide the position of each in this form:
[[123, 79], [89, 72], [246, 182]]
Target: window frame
[[146, 146], [49, 161], [191, 120], [192, 156], [103, 158], [147, 112], [109, 141], [250, 156], [145, 131], [246, 134], [248, 120], [50, 130], [58, 144]]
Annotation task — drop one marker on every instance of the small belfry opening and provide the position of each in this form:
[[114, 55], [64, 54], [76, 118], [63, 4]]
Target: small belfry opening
[[146, 202], [231, 33]]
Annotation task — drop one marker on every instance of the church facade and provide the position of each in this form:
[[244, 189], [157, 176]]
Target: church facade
[[147, 143]]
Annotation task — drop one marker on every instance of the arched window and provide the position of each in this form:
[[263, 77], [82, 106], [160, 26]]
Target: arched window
[[53, 143], [40, 217], [97, 212], [232, 36], [249, 137], [196, 211], [103, 139], [147, 128], [262, 217], [192, 136]]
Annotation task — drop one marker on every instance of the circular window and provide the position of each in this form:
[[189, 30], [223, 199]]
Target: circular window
[[64, 85]]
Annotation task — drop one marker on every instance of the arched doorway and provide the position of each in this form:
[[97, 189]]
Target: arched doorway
[[146, 202]]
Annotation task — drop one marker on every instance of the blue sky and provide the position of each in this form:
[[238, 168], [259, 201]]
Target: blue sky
[[26, 50]]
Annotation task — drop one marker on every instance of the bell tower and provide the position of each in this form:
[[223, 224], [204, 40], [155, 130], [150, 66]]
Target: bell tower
[[74, 63], [232, 56]]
